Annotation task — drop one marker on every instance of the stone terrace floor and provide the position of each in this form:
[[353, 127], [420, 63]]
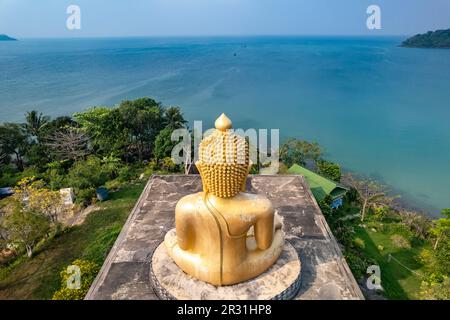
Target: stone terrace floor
[[126, 271]]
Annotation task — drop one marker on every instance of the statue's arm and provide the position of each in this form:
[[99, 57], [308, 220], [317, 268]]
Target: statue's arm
[[183, 225], [264, 228]]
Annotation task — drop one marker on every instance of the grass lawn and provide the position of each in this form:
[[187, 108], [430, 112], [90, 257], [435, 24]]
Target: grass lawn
[[397, 281], [38, 277], [381, 237]]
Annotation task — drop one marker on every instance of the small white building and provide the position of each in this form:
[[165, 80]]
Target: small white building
[[67, 195]]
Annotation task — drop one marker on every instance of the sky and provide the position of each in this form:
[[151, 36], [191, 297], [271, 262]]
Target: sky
[[121, 18]]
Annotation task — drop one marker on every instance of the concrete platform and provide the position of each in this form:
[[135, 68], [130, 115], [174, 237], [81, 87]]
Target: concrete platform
[[325, 273], [281, 282]]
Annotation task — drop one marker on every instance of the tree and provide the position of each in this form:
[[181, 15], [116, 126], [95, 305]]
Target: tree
[[39, 153], [126, 131], [163, 141], [39, 199], [105, 128], [298, 151], [68, 144], [14, 140], [329, 170], [88, 174], [174, 118], [143, 119], [441, 228], [3, 157], [370, 193], [57, 124], [24, 227], [35, 121], [164, 144], [417, 223]]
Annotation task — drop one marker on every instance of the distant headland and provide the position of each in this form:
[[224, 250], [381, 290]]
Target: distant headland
[[431, 39], [4, 37]]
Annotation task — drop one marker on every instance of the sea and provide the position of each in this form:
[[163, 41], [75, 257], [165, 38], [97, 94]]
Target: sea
[[376, 108]]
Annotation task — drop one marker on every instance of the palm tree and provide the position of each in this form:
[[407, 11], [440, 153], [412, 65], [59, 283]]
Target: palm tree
[[174, 118], [34, 122]]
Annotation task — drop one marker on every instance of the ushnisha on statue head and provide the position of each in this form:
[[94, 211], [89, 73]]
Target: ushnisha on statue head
[[223, 160]]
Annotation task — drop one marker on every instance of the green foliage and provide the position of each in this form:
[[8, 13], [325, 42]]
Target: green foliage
[[6, 172], [446, 213], [56, 179], [85, 196], [173, 118], [14, 140], [441, 229], [357, 263], [433, 289], [345, 235], [418, 224], [442, 254], [105, 128], [375, 225], [25, 228], [282, 169], [35, 121], [56, 125], [81, 242], [127, 131], [329, 170], [98, 249], [10, 176], [113, 185], [111, 165], [88, 272], [351, 195], [254, 169], [128, 173], [325, 206], [380, 211], [38, 155], [397, 228], [164, 144], [400, 242], [299, 151], [168, 165], [41, 130], [143, 118], [436, 39], [359, 243], [3, 243], [125, 174], [371, 194], [88, 174]]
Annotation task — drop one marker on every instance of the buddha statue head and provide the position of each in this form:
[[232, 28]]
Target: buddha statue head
[[223, 160]]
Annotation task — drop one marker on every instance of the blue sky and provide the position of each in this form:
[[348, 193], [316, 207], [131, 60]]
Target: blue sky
[[118, 18]]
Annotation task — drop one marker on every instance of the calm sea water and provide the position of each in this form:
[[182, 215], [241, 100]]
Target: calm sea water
[[377, 108]]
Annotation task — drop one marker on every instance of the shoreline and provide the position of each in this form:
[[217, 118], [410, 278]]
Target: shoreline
[[404, 201]]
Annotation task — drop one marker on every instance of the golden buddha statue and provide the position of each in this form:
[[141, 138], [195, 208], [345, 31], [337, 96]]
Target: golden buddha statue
[[224, 235]]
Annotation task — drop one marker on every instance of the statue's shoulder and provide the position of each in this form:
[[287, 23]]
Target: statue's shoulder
[[260, 202], [188, 203]]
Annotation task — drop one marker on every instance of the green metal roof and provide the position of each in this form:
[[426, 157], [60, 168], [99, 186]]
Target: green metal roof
[[320, 186]]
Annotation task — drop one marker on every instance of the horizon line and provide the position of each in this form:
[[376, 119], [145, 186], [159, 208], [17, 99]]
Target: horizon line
[[209, 36]]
